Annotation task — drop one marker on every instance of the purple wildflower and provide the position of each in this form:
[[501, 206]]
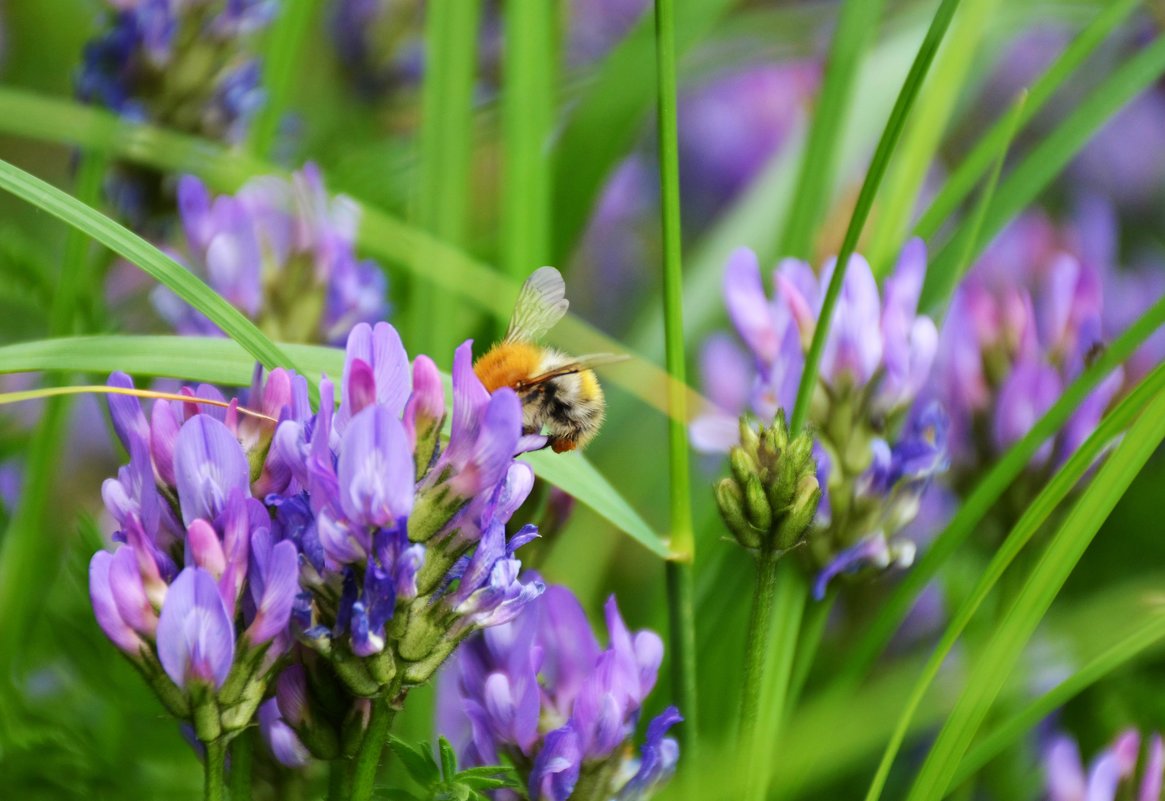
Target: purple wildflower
[[282, 252], [871, 460], [1111, 773], [541, 690]]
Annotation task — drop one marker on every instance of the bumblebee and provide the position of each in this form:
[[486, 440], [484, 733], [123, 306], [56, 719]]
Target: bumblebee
[[560, 394]]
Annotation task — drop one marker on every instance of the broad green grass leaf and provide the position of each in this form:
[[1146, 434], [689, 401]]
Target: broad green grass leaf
[[998, 657], [1023, 184], [446, 148], [1036, 514], [988, 491], [221, 361], [281, 61]]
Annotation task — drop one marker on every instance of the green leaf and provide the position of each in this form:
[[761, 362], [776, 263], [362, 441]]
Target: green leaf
[[1036, 514], [145, 256], [221, 361], [446, 146], [958, 186], [417, 760], [856, 25], [879, 163], [1130, 648], [448, 759], [987, 493], [998, 657], [1045, 162]]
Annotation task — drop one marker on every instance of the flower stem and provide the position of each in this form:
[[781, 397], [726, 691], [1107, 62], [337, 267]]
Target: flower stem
[[242, 757], [371, 746], [768, 664], [337, 780], [214, 787]]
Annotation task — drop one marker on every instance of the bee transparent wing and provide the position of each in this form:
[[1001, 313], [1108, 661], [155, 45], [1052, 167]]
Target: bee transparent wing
[[577, 365], [541, 303]]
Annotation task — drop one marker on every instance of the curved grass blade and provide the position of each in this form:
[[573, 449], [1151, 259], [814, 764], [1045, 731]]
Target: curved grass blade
[[910, 88], [281, 54], [856, 25], [959, 185], [221, 361], [1128, 649], [987, 493], [997, 659], [145, 256], [1033, 518], [1045, 162]]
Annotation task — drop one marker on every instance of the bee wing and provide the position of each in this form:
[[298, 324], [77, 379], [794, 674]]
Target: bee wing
[[541, 303], [579, 364]]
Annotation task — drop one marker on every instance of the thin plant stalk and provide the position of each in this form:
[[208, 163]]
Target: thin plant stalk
[[242, 759], [681, 610]]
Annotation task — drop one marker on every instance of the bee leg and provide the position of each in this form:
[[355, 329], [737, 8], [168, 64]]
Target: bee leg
[[563, 444]]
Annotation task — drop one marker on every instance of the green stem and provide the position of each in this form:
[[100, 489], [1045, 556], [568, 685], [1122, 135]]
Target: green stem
[[242, 758], [371, 746], [777, 670], [214, 787], [756, 645], [682, 617]]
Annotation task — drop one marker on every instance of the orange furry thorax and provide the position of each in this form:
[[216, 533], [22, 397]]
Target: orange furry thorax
[[508, 363]]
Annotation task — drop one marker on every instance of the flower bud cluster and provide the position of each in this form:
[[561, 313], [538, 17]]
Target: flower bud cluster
[[282, 252], [772, 495], [873, 458], [346, 544], [540, 692]]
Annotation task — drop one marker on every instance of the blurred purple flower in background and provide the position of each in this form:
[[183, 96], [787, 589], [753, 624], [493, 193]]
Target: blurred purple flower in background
[[283, 253], [872, 463], [542, 692], [1112, 773]]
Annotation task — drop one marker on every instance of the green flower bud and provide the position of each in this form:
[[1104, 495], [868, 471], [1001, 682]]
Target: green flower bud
[[799, 516], [760, 514], [742, 464]]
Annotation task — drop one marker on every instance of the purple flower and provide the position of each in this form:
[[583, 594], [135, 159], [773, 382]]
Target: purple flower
[[658, 759], [196, 640], [281, 738], [1111, 770], [540, 689], [282, 252]]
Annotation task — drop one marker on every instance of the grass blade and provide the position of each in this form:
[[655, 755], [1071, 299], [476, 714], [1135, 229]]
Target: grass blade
[[680, 585], [959, 185], [221, 361], [446, 144], [997, 659], [1045, 162], [528, 106], [1032, 519], [898, 115], [988, 491], [856, 26], [920, 140], [146, 257], [281, 57], [1128, 649]]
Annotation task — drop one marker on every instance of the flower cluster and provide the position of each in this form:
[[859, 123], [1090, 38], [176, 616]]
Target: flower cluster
[[872, 462], [1022, 325], [186, 65], [1111, 774], [345, 544], [282, 252], [541, 692]]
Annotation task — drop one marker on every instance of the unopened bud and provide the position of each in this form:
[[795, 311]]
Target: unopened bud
[[730, 499], [799, 516], [742, 464], [760, 514]]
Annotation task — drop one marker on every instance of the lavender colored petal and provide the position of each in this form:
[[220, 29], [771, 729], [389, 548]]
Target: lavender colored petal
[[196, 641], [747, 305], [281, 587], [281, 738], [556, 768], [376, 469], [209, 464], [105, 607]]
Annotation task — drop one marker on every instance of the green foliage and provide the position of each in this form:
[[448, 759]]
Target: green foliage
[[444, 782]]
